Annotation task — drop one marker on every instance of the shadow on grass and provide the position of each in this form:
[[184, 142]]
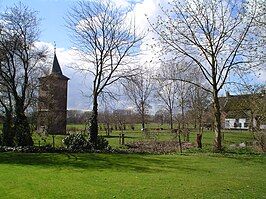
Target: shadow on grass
[[129, 162], [88, 161], [101, 162]]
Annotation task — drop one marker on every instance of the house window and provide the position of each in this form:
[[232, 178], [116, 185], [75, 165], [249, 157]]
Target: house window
[[227, 124], [246, 124]]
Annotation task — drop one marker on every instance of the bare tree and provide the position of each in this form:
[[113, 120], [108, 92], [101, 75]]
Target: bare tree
[[19, 66], [214, 35], [167, 91], [260, 25], [107, 119], [139, 90], [183, 92], [199, 100], [108, 39], [166, 94], [161, 115]]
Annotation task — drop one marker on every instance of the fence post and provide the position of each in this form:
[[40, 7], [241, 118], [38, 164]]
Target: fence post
[[123, 138]]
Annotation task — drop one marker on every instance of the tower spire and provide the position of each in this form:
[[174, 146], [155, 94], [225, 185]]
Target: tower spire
[[54, 47], [56, 69]]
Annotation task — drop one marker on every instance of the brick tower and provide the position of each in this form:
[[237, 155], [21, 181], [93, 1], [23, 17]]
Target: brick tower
[[52, 106]]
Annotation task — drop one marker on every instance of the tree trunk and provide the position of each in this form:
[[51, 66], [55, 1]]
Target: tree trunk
[[143, 124], [21, 126], [199, 136], [93, 129], [187, 132], [108, 129], [171, 119], [179, 140], [183, 115], [8, 131], [142, 115], [252, 121], [217, 122]]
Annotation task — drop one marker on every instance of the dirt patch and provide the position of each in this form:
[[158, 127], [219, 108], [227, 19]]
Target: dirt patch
[[158, 147]]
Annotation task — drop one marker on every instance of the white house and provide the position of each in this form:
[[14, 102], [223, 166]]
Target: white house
[[236, 123], [244, 112]]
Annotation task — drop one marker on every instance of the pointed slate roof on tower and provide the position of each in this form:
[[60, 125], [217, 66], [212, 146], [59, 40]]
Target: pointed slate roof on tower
[[56, 69]]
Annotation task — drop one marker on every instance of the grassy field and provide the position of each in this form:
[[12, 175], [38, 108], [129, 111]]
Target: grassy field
[[207, 140], [131, 176], [230, 137], [235, 173]]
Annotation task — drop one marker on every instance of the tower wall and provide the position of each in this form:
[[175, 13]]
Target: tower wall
[[52, 106]]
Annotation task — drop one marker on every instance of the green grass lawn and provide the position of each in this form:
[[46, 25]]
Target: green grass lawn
[[131, 176], [195, 174], [230, 137]]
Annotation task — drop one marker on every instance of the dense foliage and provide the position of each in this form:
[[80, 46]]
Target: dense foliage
[[80, 142], [76, 142]]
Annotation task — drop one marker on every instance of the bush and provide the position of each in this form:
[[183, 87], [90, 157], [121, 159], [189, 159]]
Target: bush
[[77, 142], [22, 131], [102, 143], [8, 132], [29, 149], [80, 142]]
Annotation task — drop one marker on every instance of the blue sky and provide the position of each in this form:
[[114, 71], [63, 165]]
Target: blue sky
[[52, 13], [52, 26], [53, 29]]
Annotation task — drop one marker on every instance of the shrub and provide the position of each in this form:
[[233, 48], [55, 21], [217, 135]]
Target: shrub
[[22, 131], [80, 142], [102, 143], [77, 142], [8, 132], [33, 149]]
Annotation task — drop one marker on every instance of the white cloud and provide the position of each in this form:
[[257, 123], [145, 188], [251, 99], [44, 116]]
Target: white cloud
[[261, 75], [140, 13], [121, 3], [68, 58]]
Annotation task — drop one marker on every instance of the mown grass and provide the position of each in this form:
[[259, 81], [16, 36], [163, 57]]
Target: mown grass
[[131, 176], [194, 174], [230, 137]]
